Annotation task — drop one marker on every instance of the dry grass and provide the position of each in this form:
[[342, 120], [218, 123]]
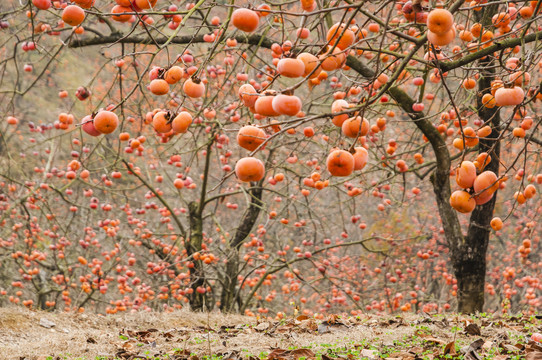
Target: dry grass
[[86, 336]]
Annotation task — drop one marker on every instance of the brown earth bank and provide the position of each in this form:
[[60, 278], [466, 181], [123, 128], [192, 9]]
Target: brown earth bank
[[34, 335]]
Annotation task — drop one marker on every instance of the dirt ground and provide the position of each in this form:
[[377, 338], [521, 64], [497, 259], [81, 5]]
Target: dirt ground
[[33, 335]]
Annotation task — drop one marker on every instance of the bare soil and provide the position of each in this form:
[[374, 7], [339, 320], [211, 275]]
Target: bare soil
[[187, 335]]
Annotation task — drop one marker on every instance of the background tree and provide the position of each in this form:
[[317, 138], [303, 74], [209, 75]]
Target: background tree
[[226, 154]]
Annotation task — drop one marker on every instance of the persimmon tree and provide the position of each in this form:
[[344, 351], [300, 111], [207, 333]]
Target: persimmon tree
[[226, 154]]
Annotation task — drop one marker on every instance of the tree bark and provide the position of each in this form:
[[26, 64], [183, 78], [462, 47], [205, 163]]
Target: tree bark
[[469, 259], [228, 300], [193, 245]]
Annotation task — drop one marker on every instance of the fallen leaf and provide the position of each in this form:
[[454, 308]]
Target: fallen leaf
[[533, 346], [323, 328], [434, 340], [128, 345], [450, 349], [471, 351], [473, 329], [262, 326], [230, 355], [281, 354], [509, 348], [307, 353]]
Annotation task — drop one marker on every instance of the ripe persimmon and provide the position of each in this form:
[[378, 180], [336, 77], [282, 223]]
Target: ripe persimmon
[[355, 127], [249, 169], [332, 61], [248, 95], [465, 175], [181, 122], [145, 4], [286, 104], [42, 4], [488, 101], [485, 186], [159, 87], [509, 97], [245, 20], [496, 223], [73, 15], [308, 5], [160, 122], [469, 83], [340, 35], [106, 122], [178, 183], [340, 163], [173, 75], [530, 191], [87, 124], [484, 131], [292, 68], [520, 78], [264, 106], [441, 39], [440, 21], [250, 137], [361, 156], [339, 106], [85, 4], [122, 11], [461, 201], [311, 62], [194, 88]]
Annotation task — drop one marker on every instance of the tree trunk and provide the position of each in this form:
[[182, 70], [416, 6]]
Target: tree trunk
[[469, 259], [193, 245], [227, 299], [470, 272]]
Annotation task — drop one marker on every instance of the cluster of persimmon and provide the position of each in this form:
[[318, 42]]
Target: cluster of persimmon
[[161, 80], [479, 187], [309, 67]]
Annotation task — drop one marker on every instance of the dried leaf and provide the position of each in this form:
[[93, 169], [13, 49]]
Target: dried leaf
[[281, 354], [471, 352], [473, 329], [534, 356], [125, 355], [509, 348], [262, 326], [323, 328], [533, 346], [128, 345], [472, 355], [435, 340], [450, 349], [231, 355], [306, 353]]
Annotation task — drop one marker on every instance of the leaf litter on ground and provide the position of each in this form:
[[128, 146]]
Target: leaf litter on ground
[[216, 336]]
